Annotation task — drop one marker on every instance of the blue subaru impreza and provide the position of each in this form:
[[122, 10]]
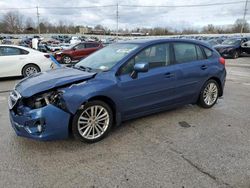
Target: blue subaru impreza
[[119, 82]]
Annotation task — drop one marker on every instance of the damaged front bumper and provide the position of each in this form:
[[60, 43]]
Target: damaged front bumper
[[45, 123]]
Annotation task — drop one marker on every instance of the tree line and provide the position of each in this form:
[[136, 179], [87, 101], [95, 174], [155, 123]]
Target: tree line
[[15, 23]]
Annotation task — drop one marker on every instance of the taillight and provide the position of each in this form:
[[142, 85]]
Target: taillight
[[222, 61], [47, 55]]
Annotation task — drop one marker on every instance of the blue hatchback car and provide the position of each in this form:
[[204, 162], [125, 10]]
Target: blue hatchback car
[[119, 82]]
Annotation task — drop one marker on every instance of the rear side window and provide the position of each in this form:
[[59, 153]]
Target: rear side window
[[185, 52], [200, 54], [24, 52], [208, 52]]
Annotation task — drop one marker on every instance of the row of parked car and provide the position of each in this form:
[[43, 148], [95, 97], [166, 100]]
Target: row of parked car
[[23, 61]]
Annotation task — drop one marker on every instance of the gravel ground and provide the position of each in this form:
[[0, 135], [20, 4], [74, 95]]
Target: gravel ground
[[184, 147]]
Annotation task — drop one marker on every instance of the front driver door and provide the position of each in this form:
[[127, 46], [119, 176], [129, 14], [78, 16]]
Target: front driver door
[[151, 90]]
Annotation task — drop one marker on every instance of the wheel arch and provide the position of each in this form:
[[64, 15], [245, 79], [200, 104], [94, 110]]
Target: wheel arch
[[102, 98], [219, 83]]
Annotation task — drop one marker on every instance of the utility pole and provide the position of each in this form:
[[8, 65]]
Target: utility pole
[[244, 18], [117, 20], [38, 21]]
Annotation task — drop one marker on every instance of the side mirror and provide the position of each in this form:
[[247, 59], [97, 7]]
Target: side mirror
[[139, 67]]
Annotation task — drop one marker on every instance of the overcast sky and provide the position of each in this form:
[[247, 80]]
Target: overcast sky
[[132, 17]]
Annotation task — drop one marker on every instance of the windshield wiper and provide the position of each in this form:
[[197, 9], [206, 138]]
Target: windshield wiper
[[88, 69]]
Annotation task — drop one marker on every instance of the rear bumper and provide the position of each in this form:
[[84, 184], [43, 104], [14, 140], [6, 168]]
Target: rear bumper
[[47, 123]]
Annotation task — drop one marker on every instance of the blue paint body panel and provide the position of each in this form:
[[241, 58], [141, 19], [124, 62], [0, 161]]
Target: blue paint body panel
[[55, 123]]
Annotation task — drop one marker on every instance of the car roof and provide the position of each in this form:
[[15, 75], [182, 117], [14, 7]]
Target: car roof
[[155, 41]]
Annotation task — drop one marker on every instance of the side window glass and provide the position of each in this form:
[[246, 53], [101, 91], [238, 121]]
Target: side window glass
[[208, 52], [80, 46], [24, 52], [200, 55], [91, 45], [157, 56], [185, 52], [7, 51]]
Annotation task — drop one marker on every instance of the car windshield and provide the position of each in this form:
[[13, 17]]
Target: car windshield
[[231, 42], [107, 57]]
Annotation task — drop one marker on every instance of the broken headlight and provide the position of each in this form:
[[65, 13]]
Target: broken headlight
[[39, 101]]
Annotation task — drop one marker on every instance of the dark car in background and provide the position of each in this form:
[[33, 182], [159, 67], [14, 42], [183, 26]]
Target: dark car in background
[[232, 47], [77, 51], [122, 81]]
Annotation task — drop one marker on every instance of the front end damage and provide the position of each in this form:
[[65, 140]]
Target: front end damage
[[38, 105], [41, 117]]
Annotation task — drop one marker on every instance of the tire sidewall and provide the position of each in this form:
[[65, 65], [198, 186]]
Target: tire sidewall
[[201, 100], [27, 66], [65, 56], [75, 131]]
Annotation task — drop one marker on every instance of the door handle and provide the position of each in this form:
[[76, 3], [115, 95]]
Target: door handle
[[204, 67], [169, 75]]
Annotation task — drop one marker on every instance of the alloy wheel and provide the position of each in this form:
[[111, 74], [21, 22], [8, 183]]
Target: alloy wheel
[[210, 94], [67, 59], [30, 71], [93, 122]]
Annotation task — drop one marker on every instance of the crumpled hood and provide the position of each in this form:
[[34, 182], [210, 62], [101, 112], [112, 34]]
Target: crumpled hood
[[51, 79]]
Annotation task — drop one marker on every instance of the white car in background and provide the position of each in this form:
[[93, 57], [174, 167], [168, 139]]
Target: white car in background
[[22, 61], [75, 40]]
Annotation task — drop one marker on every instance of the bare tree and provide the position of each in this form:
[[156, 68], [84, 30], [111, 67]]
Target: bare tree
[[29, 23], [238, 24], [13, 22]]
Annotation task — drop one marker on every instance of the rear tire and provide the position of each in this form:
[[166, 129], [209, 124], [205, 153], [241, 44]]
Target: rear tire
[[30, 69], [93, 122], [66, 59], [209, 94]]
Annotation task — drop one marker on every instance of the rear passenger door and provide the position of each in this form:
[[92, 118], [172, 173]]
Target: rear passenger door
[[91, 47], [192, 70]]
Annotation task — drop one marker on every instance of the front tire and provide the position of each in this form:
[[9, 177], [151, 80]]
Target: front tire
[[30, 69], [93, 122], [209, 94]]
